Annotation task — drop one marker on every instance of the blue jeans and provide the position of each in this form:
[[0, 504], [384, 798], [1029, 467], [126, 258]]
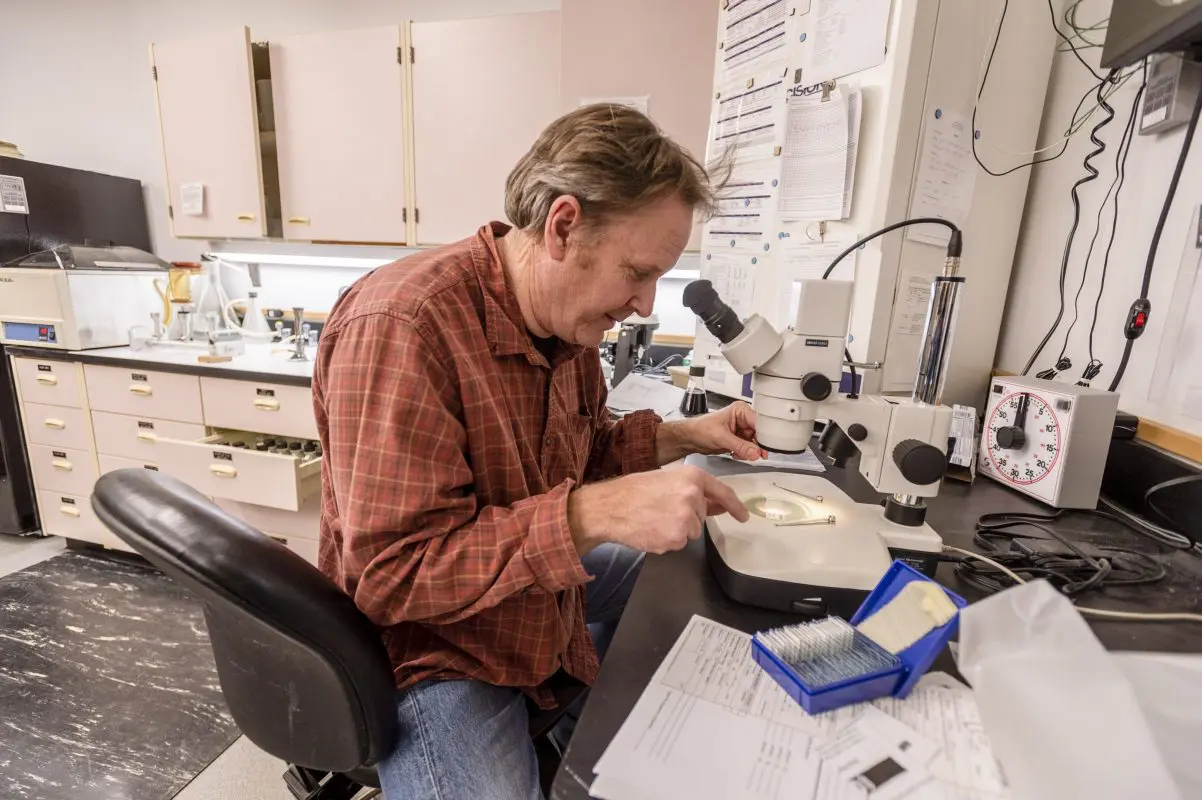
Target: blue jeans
[[467, 739]]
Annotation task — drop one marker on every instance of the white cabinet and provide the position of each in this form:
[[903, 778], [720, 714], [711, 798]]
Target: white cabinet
[[483, 90], [208, 119], [339, 100], [138, 392], [259, 407]]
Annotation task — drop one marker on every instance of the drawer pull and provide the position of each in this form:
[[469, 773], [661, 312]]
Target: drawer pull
[[62, 465], [265, 404], [246, 217], [48, 380], [298, 220], [69, 511], [56, 424], [150, 438], [145, 391], [223, 470]]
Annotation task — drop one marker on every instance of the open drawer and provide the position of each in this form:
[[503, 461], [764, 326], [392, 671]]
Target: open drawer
[[217, 469]]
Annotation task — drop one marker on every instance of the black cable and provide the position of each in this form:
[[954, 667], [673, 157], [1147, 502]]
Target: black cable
[[1120, 168], [1156, 234], [1169, 484], [1092, 174], [1070, 43], [1128, 131], [954, 246], [985, 79]]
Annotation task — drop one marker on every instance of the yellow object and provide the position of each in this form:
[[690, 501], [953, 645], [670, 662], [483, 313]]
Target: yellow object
[[179, 283]]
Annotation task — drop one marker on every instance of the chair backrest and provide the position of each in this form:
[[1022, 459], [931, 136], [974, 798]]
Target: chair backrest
[[304, 672]]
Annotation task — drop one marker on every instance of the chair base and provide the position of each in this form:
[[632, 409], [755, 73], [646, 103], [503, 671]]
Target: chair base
[[312, 784]]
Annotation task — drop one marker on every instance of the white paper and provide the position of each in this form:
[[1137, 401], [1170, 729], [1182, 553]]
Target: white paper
[[802, 260], [815, 154], [964, 430], [13, 199], [712, 725], [746, 209], [747, 117], [946, 176], [855, 99], [732, 272], [804, 462], [848, 36], [638, 103], [753, 35], [192, 199], [910, 308], [637, 392], [877, 756]]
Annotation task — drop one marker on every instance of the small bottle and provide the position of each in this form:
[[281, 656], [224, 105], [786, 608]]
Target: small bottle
[[240, 444], [693, 403], [261, 446], [310, 449]]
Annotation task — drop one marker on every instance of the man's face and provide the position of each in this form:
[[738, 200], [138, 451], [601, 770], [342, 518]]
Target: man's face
[[601, 275]]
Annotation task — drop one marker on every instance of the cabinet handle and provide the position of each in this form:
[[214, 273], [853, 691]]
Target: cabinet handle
[[56, 424], [69, 511], [149, 438], [246, 217], [298, 220], [142, 389], [265, 404], [223, 470], [62, 465], [47, 380]]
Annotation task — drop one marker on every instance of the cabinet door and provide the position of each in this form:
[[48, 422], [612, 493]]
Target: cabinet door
[[483, 89], [339, 117], [207, 117]]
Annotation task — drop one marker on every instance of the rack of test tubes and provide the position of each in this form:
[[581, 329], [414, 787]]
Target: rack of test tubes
[[882, 651], [303, 450]]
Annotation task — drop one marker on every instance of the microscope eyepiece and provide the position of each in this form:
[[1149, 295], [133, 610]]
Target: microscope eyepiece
[[719, 318]]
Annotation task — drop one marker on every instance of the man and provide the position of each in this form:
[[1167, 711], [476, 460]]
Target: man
[[469, 498]]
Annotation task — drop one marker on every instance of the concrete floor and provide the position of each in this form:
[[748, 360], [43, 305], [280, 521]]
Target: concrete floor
[[242, 772]]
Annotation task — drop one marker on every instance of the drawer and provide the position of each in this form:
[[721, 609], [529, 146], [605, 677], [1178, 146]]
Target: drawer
[[57, 426], [261, 407], [114, 463], [140, 393], [71, 516], [217, 470], [137, 437], [304, 523], [305, 548], [63, 470], [55, 383]]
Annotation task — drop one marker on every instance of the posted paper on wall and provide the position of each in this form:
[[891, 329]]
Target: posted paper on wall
[[753, 35], [910, 308], [848, 36], [814, 173], [747, 118], [947, 173]]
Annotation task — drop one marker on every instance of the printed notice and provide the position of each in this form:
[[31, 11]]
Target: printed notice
[[946, 176], [753, 35], [12, 195], [849, 36], [910, 310]]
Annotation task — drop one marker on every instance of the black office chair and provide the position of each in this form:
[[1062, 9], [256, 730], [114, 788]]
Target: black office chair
[[303, 671]]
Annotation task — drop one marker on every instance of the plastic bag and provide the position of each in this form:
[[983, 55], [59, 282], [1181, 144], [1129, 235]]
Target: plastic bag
[[1066, 718]]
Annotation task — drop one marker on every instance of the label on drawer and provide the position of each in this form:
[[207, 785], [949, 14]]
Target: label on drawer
[[67, 501], [44, 368], [145, 425], [141, 377], [265, 392], [58, 454], [220, 456]]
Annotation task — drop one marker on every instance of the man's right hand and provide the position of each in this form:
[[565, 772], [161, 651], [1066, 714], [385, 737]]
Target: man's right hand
[[655, 512]]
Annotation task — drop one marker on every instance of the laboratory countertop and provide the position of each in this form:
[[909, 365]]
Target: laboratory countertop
[[672, 588], [267, 363]]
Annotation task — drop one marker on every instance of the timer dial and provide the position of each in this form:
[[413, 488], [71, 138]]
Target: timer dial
[[1023, 438]]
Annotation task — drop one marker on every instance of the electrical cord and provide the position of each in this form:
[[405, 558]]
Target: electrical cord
[[1132, 616], [1162, 486], [954, 247], [1128, 132], [1091, 174], [1151, 530], [1069, 42], [1154, 246]]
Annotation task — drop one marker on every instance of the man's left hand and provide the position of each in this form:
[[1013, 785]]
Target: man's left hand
[[731, 430]]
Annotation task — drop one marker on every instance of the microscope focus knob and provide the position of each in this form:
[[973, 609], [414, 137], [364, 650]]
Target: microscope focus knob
[[1011, 437], [815, 386], [920, 463], [857, 432]]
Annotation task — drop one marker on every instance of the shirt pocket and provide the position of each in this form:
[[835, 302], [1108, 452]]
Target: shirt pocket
[[567, 443]]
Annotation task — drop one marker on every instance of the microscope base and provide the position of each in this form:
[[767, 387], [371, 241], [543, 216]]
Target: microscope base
[[813, 569]]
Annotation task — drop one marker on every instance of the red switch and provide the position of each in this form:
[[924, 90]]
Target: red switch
[[1137, 318]]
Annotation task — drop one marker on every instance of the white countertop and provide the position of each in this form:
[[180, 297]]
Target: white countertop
[[271, 359]]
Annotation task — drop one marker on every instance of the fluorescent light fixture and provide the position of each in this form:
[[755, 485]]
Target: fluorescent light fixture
[[681, 275], [304, 261]]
